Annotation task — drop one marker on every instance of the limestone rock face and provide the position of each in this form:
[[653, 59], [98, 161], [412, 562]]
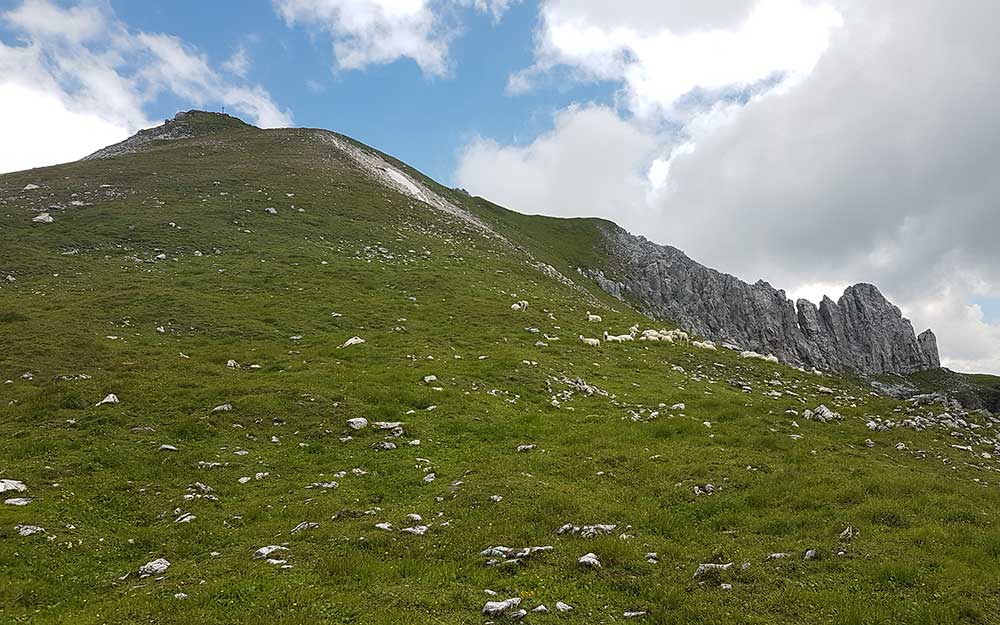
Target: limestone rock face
[[861, 332]]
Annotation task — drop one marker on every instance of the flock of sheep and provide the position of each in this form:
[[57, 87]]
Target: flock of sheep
[[669, 336]]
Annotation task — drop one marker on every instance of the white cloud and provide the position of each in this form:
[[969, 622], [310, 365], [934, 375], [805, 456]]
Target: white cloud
[[239, 63], [877, 163], [377, 32], [82, 71], [67, 135], [659, 62], [78, 23], [564, 172]]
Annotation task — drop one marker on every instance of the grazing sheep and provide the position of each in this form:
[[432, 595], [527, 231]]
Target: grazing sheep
[[704, 345], [620, 338], [593, 318], [519, 306], [590, 342], [678, 336], [651, 335], [755, 355]]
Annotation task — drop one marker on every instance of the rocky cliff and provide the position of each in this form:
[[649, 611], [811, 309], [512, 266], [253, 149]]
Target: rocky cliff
[[861, 332]]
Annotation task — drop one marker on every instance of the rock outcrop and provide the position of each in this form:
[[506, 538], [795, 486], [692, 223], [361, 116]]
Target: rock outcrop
[[861, 332], [184, 125]]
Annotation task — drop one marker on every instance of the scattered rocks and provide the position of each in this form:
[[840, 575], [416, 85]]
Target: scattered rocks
[[12, 486], [324, 485], [590, 560], [358, 423], [563, 607], [498, 608], [264, 552], [43, 218], [822, 414], [28, 530], [17, 501], [154, 567], [508, 556], [710, 566], [587, 531]]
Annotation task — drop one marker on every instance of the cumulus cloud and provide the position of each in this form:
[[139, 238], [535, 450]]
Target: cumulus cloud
[[591, 177], [653, 49], [874, 161], [75, 78], [377, 32]]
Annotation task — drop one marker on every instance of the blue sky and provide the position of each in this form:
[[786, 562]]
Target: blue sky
[[770, 139]]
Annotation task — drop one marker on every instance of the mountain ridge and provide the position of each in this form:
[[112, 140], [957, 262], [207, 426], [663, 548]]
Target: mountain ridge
[[861, 333]]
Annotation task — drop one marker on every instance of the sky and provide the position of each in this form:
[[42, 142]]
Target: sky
[[810, 143]]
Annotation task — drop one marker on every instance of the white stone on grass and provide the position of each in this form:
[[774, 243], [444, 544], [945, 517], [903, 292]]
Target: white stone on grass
[[12, 486], [710, 566], [590, 560], [264, 552], [109, 400], [498, 608], [154, 567], [354, 340]]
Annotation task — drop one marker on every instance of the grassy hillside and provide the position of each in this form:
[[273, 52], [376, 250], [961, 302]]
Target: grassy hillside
[[94, 309]]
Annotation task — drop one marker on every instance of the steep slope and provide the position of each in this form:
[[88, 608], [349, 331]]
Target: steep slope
[[861, 332], [213, 285]]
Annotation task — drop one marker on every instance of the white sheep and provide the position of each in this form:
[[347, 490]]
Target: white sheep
[[593, 318], [519, 306], [590, 342], [679, 336], [611, 338], [755, 355], [704, 345]]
